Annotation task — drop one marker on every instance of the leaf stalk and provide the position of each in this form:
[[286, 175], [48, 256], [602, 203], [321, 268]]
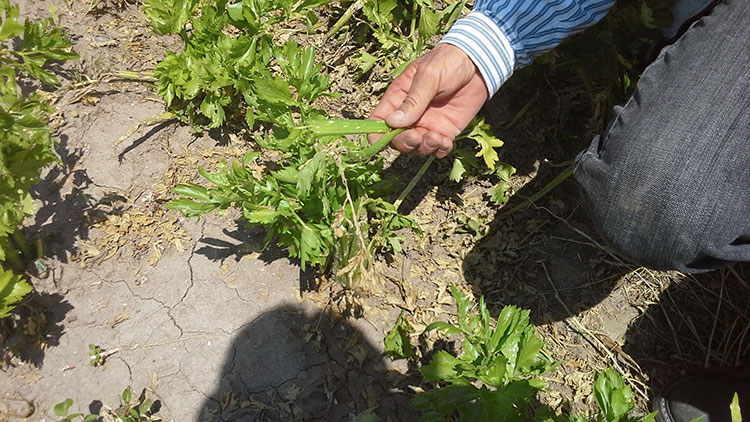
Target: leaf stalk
[[413, 182], [370, 151]]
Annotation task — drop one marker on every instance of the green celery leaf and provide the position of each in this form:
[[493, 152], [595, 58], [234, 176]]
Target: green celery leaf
[[613, 395], [193, 191], [61, 409], [494, 373], [462, 305], [480, 133], [429, 21], [191, 208], [397, 343], [274, 91], [441, 403], [310, 173], [734, 408], [458, 170], [169, 16], [260, 215], [442, 367], [443, 326], [11, 27], [12, 289], [508, 404]]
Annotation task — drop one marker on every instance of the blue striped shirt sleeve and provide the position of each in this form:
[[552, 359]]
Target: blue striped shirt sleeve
[[502, 35]]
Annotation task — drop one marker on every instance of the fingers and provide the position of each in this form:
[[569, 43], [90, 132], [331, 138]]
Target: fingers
[[434, 97], [408, 140], [423, 142], [424, 87], [395, 94], [436, 144]]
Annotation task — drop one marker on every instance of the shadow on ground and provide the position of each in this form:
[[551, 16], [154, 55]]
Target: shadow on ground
[[287, 365], [248, 240], [35, 325], [547, 261], [68, 206], [698, 322]]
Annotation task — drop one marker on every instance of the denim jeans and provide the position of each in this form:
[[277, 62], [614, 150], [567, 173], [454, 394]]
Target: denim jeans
[[668, 183]]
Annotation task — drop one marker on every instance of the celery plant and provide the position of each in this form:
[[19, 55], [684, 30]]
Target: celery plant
[[25, 138]]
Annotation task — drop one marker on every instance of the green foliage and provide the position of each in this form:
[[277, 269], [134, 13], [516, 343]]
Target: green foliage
[[25, 139], [480, 132], [42, 40], [403, 30], [12, 289], [465, 159], [469, 224], [131, 409], [501, 358], [397, 344], [500, 193], [315, 204], [496, 375], [97, 355], [224, 67], [614, 398], [734, 408], [325, 200], [169, 16]]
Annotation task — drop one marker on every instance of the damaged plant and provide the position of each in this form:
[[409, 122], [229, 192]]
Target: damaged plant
[[316, 192]]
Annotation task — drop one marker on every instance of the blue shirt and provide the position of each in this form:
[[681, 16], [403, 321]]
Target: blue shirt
[[502, 35]]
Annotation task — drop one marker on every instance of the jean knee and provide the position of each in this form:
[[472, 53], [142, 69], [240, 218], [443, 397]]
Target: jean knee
[[650, 220]]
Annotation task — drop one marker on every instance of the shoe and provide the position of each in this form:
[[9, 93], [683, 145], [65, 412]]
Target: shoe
[[706, 394]]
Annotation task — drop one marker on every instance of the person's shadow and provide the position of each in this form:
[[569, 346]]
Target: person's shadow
[[701, 321], [291, 366]]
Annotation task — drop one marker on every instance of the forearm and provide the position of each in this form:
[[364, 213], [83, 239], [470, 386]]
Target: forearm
[[503, 35]]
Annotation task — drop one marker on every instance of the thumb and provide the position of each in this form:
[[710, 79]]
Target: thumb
[[423, 90]]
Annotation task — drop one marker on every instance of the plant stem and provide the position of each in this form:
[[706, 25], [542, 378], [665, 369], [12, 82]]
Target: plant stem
[[397, 203], [413, 182], [22, 244], [13, 259], [398, 40], [369, 152], [413, 29], [39, 246], [326, 127], [136, 76], [168, 116], [344, 18], [540, 194]]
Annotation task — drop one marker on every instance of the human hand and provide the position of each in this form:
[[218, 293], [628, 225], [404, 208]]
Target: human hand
[[436, 97]]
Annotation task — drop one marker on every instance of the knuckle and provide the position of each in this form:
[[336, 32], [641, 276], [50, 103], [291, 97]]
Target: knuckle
[[410, 101], [428, 71]]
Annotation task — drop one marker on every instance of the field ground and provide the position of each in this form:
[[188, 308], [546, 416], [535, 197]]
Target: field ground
[[220, 329]]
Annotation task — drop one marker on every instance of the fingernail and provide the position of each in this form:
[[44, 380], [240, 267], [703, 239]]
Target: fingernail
[[397, 115]]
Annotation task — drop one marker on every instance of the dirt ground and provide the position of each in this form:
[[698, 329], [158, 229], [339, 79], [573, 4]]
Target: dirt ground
[[219, 329]]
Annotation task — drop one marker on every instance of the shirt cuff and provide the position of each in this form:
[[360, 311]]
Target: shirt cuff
[[487, 46]]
